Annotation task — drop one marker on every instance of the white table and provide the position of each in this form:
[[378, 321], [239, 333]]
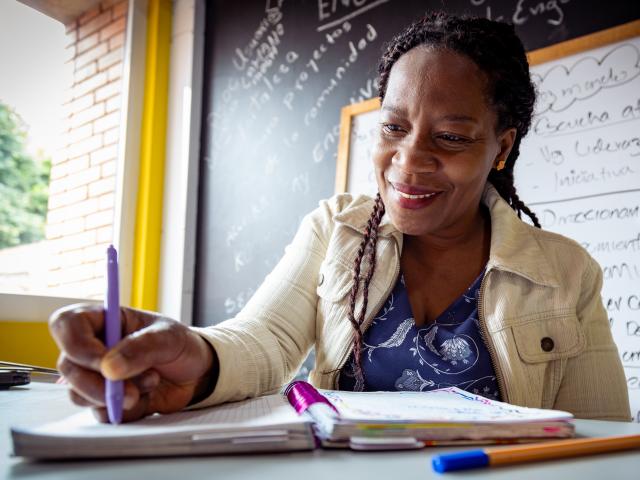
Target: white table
[[41, 402]]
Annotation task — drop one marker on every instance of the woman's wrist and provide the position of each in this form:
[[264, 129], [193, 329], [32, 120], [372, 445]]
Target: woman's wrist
[[206, 384]]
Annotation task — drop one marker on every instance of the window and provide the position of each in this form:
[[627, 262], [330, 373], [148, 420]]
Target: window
[[60, 102]]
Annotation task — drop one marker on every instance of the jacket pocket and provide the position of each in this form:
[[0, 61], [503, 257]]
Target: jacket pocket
[[334, 281], [549, 339]]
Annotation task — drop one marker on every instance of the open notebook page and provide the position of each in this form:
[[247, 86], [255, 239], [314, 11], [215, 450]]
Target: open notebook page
[[261, 413], [444, 405]]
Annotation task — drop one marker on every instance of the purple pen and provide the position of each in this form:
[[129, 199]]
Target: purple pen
[[114, 390]]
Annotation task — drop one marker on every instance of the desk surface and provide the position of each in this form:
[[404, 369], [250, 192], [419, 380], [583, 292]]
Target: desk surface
[[40, 402]]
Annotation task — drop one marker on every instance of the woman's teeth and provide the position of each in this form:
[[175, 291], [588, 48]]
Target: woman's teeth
[[415, 197]]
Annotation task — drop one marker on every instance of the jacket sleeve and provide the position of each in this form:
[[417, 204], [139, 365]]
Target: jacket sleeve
[[264, 345], [594, 385]]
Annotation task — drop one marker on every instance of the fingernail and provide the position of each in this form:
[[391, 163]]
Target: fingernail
[[113, 365], [129, 401], [149, 381]]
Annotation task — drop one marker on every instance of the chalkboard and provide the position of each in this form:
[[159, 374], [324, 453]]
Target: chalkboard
[[276, 75]]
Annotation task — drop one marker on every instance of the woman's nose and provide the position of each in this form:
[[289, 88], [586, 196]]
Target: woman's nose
[[415, 157]]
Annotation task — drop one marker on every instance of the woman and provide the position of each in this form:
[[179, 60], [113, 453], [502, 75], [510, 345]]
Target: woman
[[435, 282]]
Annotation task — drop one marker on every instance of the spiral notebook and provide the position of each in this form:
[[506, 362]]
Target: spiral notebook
[[301, 419]]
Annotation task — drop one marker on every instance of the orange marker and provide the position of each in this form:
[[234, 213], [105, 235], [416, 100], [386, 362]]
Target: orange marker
[[490, 457]]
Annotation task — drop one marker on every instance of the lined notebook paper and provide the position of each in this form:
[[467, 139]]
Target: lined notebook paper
[[260, 424]]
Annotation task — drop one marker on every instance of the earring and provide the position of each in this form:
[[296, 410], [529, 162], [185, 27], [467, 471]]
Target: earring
[[500, 165]]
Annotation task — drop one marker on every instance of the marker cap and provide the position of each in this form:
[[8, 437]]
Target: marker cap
[[460, 461]]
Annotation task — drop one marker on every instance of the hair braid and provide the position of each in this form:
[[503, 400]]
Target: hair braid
[[369, 242], [503, 181]]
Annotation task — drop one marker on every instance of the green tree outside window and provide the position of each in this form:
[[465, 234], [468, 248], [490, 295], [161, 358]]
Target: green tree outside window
[[24, 183]]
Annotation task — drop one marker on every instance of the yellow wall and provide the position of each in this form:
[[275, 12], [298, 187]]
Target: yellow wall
[[27, 342], [148, 230]]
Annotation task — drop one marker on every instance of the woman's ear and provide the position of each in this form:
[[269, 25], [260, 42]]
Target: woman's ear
[[505, 143]]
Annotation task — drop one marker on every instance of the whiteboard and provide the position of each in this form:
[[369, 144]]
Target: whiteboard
[[362, 137], [579, 171]]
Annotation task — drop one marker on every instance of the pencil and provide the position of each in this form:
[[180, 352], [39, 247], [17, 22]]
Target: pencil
[[490, 457]]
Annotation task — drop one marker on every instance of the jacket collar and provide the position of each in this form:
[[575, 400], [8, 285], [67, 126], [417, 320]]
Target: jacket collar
[[357, 214], [514, 246]]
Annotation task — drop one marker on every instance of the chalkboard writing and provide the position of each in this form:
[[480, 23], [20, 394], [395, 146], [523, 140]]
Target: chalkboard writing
[[277, 73]]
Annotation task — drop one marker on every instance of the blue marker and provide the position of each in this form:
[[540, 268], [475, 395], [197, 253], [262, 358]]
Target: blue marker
[[114, 390]]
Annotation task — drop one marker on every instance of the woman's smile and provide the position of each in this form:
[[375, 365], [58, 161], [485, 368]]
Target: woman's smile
[[413, 197]]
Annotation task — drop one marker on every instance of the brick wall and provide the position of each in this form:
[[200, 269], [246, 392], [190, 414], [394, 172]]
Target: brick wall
[[83, 173]]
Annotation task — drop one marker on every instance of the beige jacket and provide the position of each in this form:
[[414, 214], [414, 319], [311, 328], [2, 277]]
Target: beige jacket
[[538, 285]]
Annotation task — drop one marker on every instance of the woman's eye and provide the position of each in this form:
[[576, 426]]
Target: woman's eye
[[391, 128], [448, 137]]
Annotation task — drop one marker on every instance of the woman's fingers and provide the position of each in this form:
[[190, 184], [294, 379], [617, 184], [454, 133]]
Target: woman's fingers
[[161, 397], [79, 330], [152, 347], [79, 400], [138, 411], [75, 329], [85, 383], [88, 388], [146, 381], [101, 414]]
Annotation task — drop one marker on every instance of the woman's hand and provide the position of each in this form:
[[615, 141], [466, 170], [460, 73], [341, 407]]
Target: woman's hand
[[164, 364]]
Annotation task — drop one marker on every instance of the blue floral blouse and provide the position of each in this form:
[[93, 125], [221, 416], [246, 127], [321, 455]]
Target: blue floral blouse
[[398, 355]]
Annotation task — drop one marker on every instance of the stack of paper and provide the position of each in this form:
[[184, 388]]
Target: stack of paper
[[444, 415]]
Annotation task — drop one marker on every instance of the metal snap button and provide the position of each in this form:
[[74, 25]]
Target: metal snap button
[[547, 344], [321, 279]]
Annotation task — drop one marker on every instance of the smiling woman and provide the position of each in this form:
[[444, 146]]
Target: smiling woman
[[437, 279], [446, 125]]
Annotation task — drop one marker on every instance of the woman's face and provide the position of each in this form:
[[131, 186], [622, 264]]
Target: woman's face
[[436, 143]]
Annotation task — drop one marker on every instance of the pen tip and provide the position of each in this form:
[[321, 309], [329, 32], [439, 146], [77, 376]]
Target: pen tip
[[111, 251]]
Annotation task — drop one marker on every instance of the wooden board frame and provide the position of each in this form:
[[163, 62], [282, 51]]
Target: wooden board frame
[[346, 116], [536, 57], [586, 42]]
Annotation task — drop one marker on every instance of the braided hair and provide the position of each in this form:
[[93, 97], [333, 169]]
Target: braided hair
[[496, 49], [367, 246]]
